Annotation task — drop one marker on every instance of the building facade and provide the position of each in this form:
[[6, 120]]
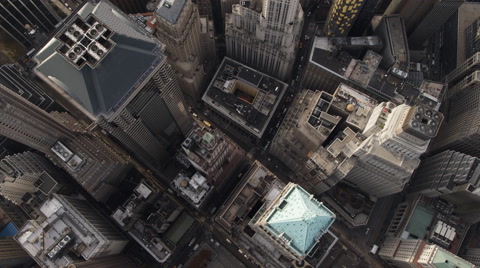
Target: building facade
[[115, 75], [91, 162], [180, 29], [18, 18], [27, 174], [266, 41], [414, 253], [342, 17], [75, 227], [12, 254]]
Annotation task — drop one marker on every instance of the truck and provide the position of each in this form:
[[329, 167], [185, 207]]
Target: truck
[[374, 249]]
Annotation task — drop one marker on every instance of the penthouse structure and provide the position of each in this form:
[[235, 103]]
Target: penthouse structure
[[113, 74], [243, 100], [213, 154], [265, 37], [97, 167], [70, 226], [195, 189]]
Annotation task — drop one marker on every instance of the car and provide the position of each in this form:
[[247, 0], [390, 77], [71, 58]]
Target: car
[[228, 241], [301, 59]]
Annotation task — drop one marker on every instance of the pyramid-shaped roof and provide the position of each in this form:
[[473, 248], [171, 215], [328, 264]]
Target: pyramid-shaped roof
[[300, 219]]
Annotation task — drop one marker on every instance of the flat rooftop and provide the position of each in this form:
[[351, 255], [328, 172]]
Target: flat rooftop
[[244, 95], [170, 10]]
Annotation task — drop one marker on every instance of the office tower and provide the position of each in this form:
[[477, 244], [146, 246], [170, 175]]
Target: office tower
[[131, 7], [28, 174], [459, 131], [472, 38], [13, 78], [213, 154], [418, 253], [19, 17], [362, 22], [179, 28], [380, 73], [266, 41], [305, 127], [242, 100], [395, 54], [294, 222], [73, 231], [114, 75], [226, 7], [437, 15], [447, 173], [343, 15], [12, 254], [92, 163], [387, 159]]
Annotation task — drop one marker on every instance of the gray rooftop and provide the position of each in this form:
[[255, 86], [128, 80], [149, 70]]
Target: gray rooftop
[[101, 89], [246, 96], [170, 10]]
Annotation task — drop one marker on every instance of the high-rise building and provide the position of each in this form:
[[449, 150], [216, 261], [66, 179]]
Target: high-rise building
[[306, 126], [131, 7], [460, 129], [242, 100], [418, 253], [12, 254], [342, 17], [266, 40], [472, 38], [28, 174], [115, 75], [437, 15], [179, 28], [19, 17], [213, 154], [369, 10], [73, 231], [17, 81], [294, 221], [387, 159], [92, 163], [446, 173]]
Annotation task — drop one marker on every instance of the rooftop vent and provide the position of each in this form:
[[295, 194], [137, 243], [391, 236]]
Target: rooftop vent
[[85, 41]]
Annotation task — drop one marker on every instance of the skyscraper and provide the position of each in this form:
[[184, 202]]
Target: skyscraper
[[115, 75], [17, 14], [92, 163], [460, 129], [365, 16], [342, 16], [266, 41], [71, 227], [414, 253], [26, 174], [179, 28], [11, 253], [437, 15], [387, 159]]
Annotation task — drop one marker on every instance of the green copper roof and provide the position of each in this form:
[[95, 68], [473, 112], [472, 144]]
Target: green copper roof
[[300, 219], [445, 259]]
